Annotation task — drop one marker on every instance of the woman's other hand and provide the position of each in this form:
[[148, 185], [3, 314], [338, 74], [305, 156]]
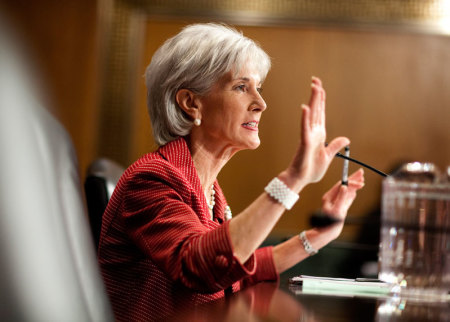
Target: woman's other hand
[[313, 158], [337, 201]]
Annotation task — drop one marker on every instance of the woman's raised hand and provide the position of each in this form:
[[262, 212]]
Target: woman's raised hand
[[313, 158]]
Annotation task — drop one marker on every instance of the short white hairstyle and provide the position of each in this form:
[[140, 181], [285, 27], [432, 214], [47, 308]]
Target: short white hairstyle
[[194, 59]]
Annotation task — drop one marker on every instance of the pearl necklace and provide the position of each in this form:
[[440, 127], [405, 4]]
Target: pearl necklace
[[212, 203]]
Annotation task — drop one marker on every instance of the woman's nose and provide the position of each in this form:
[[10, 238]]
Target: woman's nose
[[259, 103]]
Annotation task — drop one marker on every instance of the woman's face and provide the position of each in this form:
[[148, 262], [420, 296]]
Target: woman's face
[[231, 111]]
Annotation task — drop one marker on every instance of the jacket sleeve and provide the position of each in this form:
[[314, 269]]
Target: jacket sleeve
[[265, 268], [159, 219]]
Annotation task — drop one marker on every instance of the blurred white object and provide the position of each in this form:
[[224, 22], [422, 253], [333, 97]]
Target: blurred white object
[[47, 260]]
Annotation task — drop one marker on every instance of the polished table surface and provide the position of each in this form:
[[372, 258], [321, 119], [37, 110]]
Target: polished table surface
[[284, 302]]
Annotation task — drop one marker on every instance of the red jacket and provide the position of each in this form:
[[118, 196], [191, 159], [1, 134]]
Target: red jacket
[[159, 250]]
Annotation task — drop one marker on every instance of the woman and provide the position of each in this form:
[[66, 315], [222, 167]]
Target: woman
[[166, 241]]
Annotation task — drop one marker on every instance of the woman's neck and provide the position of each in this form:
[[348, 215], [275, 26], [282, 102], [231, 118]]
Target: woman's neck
[[208, 160]]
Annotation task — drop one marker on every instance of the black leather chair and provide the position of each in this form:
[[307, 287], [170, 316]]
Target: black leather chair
[[101, 179], [48, 267]]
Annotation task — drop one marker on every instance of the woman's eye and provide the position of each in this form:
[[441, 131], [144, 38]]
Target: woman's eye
[[241, 88], [259, 89]]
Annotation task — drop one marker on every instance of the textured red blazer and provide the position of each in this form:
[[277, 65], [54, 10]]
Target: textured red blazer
[[159, 249]]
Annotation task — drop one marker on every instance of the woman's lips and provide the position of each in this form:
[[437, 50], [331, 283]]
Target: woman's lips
[[252, 125]]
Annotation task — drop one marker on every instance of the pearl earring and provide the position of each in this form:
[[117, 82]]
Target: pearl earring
[[197, 122]]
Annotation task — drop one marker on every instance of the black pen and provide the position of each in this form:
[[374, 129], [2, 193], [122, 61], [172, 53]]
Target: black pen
[[340, 155]]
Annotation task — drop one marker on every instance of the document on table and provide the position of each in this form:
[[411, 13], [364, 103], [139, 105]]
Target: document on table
[[341, 286]]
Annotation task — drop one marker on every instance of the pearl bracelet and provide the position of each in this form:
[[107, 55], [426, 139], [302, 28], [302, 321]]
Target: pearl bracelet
[[307, 245], [278, 190]]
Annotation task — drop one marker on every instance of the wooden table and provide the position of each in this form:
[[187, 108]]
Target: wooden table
[[284, 302]]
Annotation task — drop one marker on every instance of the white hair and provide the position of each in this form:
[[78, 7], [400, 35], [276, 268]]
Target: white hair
[[194, 59]]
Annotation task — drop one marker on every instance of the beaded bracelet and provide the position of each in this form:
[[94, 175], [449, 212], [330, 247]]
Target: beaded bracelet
[[306, 244], [281, 193]]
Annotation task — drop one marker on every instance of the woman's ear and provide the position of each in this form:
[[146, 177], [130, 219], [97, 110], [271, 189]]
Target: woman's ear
[[187, 101]]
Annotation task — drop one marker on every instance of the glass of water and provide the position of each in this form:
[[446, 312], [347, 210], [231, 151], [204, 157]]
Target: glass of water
[[415, 232]]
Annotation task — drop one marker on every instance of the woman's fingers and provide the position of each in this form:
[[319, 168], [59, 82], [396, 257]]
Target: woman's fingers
[[317, 101], [336, 145], [332, 201], [356, 179], [322, 107], [317, 104], [339, 205], [340, 197], [316, 81], [322, 97], [314, 99], [306, 116], [341, 200], [356, 182]]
